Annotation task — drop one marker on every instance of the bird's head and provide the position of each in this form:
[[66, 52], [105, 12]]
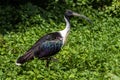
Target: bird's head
[[69, 14]]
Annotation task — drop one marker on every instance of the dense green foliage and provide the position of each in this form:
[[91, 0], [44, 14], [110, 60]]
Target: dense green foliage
[[92, 52]]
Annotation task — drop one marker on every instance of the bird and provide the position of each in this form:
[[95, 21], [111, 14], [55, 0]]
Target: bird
[[51, 43]]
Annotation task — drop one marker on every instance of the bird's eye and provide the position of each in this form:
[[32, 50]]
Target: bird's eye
[[69, 12]]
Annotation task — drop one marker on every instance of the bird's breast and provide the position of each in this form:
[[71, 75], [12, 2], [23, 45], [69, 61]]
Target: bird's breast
[[64, 35]]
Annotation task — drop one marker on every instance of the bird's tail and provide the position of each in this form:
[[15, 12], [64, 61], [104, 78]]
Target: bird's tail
[[26, 57]]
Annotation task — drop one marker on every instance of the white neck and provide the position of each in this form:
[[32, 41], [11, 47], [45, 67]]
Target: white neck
[[67, 28], [65, 32]]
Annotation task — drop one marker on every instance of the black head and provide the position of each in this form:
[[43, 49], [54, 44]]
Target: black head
[[69, 14]]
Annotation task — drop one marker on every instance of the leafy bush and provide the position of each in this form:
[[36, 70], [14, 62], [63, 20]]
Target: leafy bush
[[114, 9], [91, 52]]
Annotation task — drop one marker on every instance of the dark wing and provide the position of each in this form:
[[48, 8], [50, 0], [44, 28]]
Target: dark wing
[[49, 48], [47, 45], [48, 37]]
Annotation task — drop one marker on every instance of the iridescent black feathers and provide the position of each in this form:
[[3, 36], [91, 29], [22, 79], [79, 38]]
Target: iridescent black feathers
[[45, 47]]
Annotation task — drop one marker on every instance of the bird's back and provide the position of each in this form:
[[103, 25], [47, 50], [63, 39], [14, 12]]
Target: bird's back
[[47, 45]]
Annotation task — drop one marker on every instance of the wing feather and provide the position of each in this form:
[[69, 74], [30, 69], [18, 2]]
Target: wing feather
[[49, 48], [47, 45]]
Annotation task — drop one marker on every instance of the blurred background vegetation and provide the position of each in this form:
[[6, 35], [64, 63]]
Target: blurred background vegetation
[[94, 49], [15, 12]]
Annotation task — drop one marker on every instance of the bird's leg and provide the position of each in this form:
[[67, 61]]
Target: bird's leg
[[47, 61]]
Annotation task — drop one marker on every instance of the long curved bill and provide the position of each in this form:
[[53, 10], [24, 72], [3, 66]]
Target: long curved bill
[[82, 16]]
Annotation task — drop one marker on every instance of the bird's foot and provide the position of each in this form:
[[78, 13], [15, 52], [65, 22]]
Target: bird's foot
[[47, 61], [54, 59]]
